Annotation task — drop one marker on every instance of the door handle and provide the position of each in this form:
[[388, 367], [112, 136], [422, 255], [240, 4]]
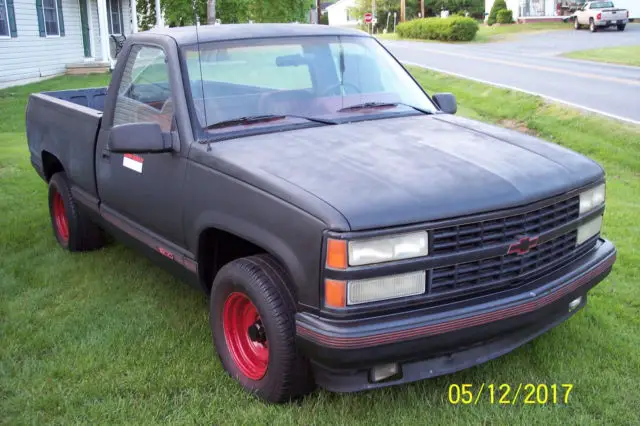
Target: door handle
[[106, 153]]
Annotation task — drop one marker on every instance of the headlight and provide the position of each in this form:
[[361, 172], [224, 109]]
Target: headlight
[[386, 249], [592, 199], [385, 288], [339, 294], [588, 230]]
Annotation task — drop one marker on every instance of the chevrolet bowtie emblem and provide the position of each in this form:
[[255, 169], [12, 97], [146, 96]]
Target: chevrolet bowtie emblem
[[523, 246]]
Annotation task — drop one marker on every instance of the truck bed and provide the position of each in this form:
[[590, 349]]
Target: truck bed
[[66, 123], [92, 97]]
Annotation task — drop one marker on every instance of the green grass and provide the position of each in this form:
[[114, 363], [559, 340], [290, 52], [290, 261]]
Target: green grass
[[495, 33], [107, 337], [625, 55]]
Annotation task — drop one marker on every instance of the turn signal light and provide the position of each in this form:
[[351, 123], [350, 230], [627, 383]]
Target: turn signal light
[[335, 293], [336, 254]]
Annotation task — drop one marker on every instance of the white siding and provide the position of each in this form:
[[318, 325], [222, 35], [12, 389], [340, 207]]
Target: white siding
[[30, 57], [95, 34]]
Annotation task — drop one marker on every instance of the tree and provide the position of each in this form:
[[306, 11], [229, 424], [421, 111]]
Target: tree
[[383, 7], [146, 10], [180, 12], [493, 14]]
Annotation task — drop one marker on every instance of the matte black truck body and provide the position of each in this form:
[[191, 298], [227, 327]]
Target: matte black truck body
[[197, 205]]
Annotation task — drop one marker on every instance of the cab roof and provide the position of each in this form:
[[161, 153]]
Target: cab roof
[[225, 32]]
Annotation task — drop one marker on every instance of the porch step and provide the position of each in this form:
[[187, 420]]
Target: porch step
[[87, 68]]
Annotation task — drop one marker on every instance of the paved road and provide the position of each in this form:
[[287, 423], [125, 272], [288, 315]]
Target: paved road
[[530, 63]]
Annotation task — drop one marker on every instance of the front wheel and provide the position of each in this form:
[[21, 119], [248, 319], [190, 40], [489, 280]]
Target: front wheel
[[576, 25], [252, 318], [621, 27]]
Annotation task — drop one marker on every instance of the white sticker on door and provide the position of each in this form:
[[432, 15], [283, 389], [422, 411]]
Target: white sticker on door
[[133, 162]]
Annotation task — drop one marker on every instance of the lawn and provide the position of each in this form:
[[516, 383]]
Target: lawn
[[502, 32], [625, 55], [107, 337]]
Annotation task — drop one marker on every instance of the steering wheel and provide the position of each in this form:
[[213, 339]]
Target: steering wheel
[[330, 90]]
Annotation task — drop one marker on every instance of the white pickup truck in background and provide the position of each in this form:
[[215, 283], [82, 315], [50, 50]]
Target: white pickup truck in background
[[601, 14]]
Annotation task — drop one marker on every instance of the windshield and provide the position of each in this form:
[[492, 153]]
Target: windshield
[[324, 78], [601, 5]]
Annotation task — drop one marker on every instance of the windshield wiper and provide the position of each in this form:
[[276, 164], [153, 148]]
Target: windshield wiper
[[253, 119], [367, 105]]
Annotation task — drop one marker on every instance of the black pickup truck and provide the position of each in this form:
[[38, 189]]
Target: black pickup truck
[[349, 229]]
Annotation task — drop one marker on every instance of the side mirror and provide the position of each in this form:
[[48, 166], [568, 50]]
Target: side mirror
[[139, 138], [446, 102]]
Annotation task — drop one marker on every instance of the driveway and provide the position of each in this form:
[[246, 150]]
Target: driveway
[[530, 63]]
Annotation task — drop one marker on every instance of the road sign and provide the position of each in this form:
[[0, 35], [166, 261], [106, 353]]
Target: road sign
[[368, 17], [374, 21]]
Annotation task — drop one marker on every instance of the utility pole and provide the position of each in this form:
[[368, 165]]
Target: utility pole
[[403, 6], [211, 12], [422, 8]]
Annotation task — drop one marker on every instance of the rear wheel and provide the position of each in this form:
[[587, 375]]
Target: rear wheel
[[252, 318], [621, 27], [592, 26], [72, 228]]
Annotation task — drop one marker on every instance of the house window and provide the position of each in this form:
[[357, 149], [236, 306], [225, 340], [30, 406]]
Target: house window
[[51, 23], [4, 19], [114, 13]]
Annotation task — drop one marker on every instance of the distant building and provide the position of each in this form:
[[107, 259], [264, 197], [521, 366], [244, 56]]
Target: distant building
[[340, 14], [324, 6], [554, 10]]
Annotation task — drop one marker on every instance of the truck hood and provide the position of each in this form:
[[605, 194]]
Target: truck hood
[[397, 171]]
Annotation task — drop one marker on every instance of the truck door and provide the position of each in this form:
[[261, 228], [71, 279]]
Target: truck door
[[142, 193]]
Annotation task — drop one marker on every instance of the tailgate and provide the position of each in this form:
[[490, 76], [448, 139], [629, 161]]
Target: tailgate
[[613, 14], [67, 131]]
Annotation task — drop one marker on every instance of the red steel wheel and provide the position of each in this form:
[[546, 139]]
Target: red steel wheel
[[60, 217], [245, 336]]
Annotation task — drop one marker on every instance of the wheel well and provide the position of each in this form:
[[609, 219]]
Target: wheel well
[[50, 165], [217, 248]]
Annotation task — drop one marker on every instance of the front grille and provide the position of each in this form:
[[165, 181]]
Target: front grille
[[506, 271], [496, 231]]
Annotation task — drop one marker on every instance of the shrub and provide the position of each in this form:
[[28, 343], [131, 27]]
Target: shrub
[[498, 5], [454, 28], [504, 16]]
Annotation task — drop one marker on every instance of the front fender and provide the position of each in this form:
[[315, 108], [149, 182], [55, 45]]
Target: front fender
[[216, 200]]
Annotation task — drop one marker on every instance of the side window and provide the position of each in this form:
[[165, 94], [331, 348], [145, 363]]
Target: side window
[[145, 93]]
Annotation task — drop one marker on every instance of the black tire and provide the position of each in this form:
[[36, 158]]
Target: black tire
[[81, 233], [592, 26], [263, 281], [622, 27]]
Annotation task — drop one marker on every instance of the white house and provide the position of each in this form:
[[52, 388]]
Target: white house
[[529, 10], [40, 38], [340, 14], [553, 10]]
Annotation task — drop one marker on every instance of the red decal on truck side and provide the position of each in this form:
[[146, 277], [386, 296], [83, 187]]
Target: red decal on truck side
[[135, 157], [163, 251]]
